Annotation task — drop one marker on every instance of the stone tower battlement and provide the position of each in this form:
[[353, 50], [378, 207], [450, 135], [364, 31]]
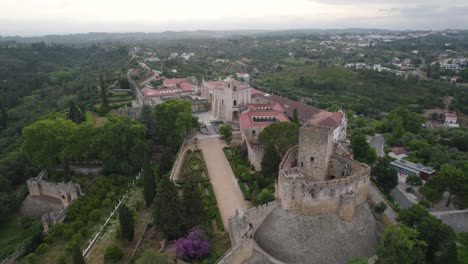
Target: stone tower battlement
[[314, 180]]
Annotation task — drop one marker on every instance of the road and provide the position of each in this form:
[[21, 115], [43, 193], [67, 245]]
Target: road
[[227, 191], [401, 198], [378, 143]]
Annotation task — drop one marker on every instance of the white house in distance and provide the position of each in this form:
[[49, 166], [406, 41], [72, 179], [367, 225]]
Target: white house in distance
[[451, 120]]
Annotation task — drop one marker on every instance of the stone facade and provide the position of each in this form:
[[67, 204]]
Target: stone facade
[[314, 180], [228, 98]]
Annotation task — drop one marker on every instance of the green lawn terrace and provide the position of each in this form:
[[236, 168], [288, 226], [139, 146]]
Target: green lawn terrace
[[194, 168]]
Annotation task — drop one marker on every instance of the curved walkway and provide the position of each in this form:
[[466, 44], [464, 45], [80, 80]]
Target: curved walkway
[[227, 191]]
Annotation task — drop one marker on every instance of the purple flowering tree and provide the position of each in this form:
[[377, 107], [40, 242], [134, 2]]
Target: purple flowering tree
[[195, 245]]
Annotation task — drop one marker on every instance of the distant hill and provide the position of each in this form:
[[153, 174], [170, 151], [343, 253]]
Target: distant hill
[[97, 37]]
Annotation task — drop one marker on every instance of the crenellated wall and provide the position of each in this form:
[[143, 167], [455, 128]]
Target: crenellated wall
[[332, 196]]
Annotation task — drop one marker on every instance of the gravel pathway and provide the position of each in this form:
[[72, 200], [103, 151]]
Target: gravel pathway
[[227, 191]]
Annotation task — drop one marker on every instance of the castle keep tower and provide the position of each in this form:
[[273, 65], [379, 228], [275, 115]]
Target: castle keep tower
[[315, 150], [314, 179]]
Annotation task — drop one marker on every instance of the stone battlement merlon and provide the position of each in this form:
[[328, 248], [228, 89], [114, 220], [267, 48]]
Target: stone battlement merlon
[[310, 126]]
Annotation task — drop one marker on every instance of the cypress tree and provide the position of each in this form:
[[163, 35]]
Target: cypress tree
[[270, 161], [77, 255], [167, 213], [148, 183], [104, 99], [166, 161], [295, 116], [192, 204], [127, 224]]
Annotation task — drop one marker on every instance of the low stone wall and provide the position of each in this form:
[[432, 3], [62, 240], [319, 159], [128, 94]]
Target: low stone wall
[[238, 254]]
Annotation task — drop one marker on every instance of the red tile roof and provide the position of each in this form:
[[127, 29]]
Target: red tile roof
[[246, 118], [185, 86], [451, 115], [160, 92], [174, 81], [254, 92], [307, 112], [399, 150]]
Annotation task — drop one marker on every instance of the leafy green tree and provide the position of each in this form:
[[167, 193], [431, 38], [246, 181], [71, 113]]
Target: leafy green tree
[[401, 119], [75, 113], [384, 175], [175, 120], [283, 135], [148, 183], [49, 140], [226, 133], [103, 92], [127, 223], [192, 204], [113, 254], [167, 209], [463, 248], [77, 255], [122, 142], [3, 117], [362, 151], [448, 179], [414, 180], [439, 237], [270, 161], [400, 244]]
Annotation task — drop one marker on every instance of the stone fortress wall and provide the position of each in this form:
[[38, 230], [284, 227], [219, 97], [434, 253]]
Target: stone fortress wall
[[65, 192], [241, 229], [314, 180]]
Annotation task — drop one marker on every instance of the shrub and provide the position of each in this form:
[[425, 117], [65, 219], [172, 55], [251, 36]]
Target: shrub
[[31, 258], [195, 246], [380, 207], [265, 196], [42, 249], [425, 203], [62, 260], [112, 254]]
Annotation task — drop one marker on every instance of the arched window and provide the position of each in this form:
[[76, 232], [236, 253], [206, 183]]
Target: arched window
[[235, 102]]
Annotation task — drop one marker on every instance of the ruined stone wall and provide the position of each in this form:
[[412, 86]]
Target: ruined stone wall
[[65, 192]]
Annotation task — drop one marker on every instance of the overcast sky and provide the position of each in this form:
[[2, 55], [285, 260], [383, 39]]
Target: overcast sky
[[39, 17]]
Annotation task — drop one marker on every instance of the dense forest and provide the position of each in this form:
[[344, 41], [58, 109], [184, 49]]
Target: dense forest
[[36, 79], [365, 92]]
